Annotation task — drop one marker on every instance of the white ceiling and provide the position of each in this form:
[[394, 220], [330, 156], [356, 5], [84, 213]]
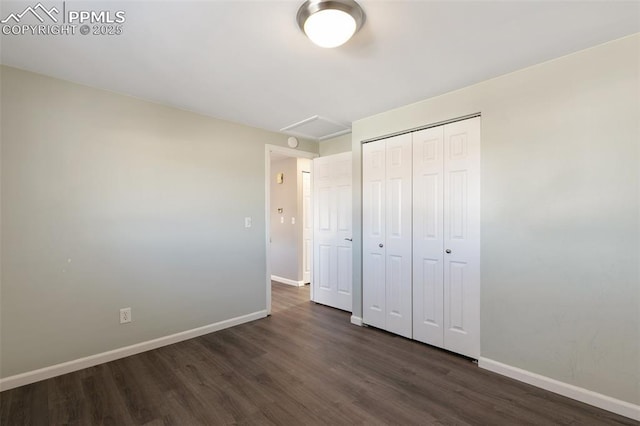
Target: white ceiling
[[247, 61]]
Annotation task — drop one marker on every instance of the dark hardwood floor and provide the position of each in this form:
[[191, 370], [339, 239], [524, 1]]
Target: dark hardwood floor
[[304, 365]]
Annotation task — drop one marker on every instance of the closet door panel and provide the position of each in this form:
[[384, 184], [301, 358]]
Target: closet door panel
[[398, 235], [373, 233], [462, 237], [428, 238]]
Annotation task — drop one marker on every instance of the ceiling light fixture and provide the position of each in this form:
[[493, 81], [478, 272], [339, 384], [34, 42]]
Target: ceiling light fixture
[[330, 23]]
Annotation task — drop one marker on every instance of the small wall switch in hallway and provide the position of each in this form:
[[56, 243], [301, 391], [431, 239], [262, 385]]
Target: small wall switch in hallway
[[293, 220], [247, 222], [281, 219], [125, 315]]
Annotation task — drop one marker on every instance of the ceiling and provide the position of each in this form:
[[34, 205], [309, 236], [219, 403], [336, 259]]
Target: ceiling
[[248, 62]]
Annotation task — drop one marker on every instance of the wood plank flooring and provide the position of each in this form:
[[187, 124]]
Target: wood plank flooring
[[304, 365]]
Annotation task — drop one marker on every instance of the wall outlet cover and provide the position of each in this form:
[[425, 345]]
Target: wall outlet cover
[[125, 315]]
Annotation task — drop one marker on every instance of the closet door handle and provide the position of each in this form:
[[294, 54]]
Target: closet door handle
[[348, 239], [380, 245], [447, 251]]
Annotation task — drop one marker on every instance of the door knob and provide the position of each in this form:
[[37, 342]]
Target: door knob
[[447, 251], [348, 239], [380, 245]]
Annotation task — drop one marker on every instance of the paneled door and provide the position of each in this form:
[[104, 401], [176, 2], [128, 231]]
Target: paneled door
[[332, 251], [462, 237], [446, 238], [374, 293], [387, 234], [428, 236]]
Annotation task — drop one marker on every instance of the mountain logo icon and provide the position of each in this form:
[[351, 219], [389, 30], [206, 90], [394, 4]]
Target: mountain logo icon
[[39, 11]]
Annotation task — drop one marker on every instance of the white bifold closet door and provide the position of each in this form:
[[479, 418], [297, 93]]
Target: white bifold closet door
[[332, 251], [428, 236], [387, 234], [446, 236]]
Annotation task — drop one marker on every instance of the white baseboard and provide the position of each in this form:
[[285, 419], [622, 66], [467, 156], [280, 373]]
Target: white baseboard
[[287, 281], [86, 362], [599, 400], [356, 320]]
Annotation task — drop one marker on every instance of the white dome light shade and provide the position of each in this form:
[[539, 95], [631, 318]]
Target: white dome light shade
[[330, 27], [330, 23]]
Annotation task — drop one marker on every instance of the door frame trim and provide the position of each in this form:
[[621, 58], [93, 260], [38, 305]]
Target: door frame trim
[[289, 152]]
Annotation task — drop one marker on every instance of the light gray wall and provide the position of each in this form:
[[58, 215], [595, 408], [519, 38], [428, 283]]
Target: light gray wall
[[335, 145], [109, 202], [285, 236], [560, 213]]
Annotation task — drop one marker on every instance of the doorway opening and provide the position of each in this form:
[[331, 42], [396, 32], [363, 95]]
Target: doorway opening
[[288, 211]]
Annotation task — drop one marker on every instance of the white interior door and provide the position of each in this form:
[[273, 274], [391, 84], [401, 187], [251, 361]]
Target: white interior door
[[373, 233], [387, 234], [428, 236], [398, 235], [462, 237], [307, 228], [332, 251]]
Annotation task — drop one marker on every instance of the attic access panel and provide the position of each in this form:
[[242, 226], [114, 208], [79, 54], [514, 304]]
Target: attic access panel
[[317, 128]]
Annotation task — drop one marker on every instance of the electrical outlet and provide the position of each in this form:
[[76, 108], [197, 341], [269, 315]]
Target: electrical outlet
[[125, 315]]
